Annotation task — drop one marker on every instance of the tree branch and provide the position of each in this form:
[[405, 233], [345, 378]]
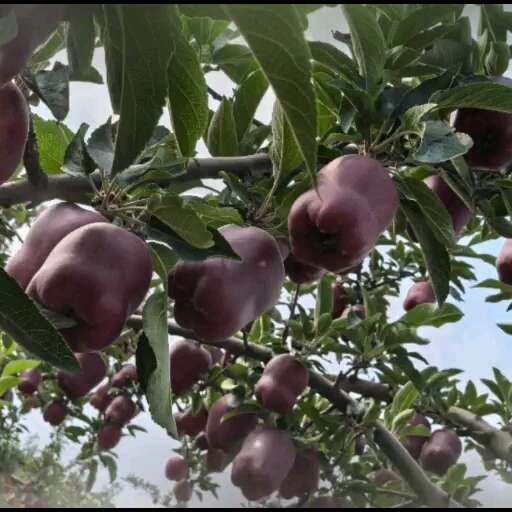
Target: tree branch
[[409, 469], [78, 188]]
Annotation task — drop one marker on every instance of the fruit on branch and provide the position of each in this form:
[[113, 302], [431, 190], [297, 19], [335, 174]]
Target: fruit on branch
[[191, 423], [414, 444], [50, 227], [441, 452], [491, 133], [224, 434], [189, 362], [219, 296], [120, 411], [35, 24], [183, 491], [283, 380], [108, 437], [30, 381], [327, 502], [55, 412], [215, 460], [266, 457], [301, 273], [126, 376], [176, 468], [504, 263], [14, 125], [77, 385], [101, 398], [421, 292], [304, 476], [337, 225], [99, 274], [384, 476], [340, 300]]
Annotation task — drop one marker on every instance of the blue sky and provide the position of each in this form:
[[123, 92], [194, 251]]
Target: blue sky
[[474, 344]]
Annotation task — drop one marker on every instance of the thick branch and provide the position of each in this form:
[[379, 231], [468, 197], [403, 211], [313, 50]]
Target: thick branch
[[409, 469], [77, 188]]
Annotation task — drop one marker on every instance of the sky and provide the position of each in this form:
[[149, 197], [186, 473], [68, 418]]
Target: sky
[[474, 344]]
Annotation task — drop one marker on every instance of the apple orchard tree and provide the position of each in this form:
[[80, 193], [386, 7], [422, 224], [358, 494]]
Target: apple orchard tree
[[384, 162]]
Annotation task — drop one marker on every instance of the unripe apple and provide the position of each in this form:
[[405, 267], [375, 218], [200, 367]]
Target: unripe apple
[[100, 273], [421, 292], [219, 296], [35, 24], [224, 434], [55, 413], [14, 124], [101, 398], [191, 424], [504, 263], [120, 411], [414, 444], [108, 437], [340, 300], [77, 385], [441, 452], [283, 380], [304, 476], [299, 272], [183, 491], [266, 457], [215, 460], [50, 227], [189, 362], [176, 468], [125, 376], [337, 225], [30, 381]]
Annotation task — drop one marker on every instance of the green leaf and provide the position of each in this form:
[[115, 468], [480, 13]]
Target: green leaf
[[77, 160], [368, 42], [158, 382], [506, 328], [100, 146], [335, 60], [188, 94], [172, 211], [7, 383], [494, 284], [206, 30], [430, 314], [435, 213], [404, 398], [22, 321], [164, 259], [212, 215], [137, 50], [53, 139], [275, 35], [236, 60], [222, 137], [247, 98], [484, 95], [435, 255], [18, 366], [324, 298]]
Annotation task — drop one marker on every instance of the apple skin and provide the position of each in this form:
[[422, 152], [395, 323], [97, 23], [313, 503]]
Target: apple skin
[[191, 424], [441, 452], [283, 380], [337, 225], [176, 468], [421, 292], [50, 227], [101, 398], [304, 476], [91, 273], [504, 263], [108, 437], [414, 444], [14, 125], [189, 362], [120, 411], [77, 385], [266, 457], [215, 460], [217, 297], [301, 273], [125, 376], [183, 491], [30, 381], [225, 434], [55, 413]]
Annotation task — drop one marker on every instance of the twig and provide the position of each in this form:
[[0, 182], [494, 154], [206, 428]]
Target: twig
[[36, 176]]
